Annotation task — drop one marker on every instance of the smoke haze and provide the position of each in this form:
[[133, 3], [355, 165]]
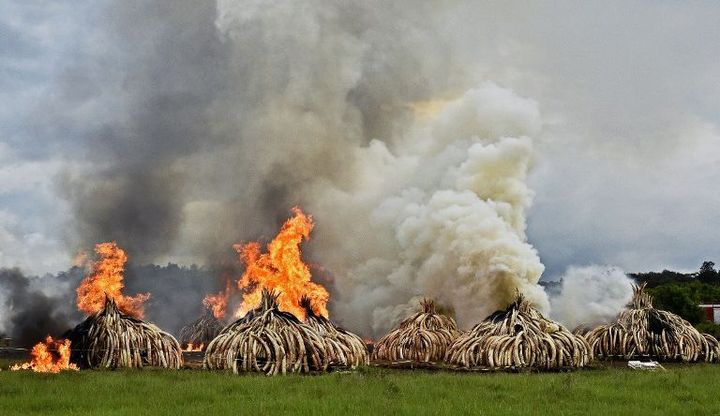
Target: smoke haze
[[591, 296], [33, 307]]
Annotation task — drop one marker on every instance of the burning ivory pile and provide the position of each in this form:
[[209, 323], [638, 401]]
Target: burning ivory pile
[[298, 338], [271, 341], [519, 337], [423, 337], [643, 331], [111, 339], [343, 348]]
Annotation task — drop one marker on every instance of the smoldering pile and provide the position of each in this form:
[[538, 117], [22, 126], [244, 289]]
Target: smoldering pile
[[641, 331], [202, 331], [267, 340], [519, 337], [423, 337], [111, 339]]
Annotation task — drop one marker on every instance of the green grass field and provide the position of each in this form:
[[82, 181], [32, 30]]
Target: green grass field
[[609, 391]]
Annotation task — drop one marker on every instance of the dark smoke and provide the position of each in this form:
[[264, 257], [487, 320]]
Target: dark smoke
[[203, 135], [176, 293], [32, 314], [33, 307], [162, 70]]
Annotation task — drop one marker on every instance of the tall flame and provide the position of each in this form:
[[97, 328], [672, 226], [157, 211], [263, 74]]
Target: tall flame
[[43, 361], [217, 302], [281, 269], [106, 280]]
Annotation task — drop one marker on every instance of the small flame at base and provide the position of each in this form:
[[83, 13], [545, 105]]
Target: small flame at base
[[192, 348], [43, 360]]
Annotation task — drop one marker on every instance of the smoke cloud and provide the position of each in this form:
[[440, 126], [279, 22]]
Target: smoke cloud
[[215, 118], [176, 293], [181, 127], [34, 307], [145, 101], [450, 224], [193, 125], [591, 295]]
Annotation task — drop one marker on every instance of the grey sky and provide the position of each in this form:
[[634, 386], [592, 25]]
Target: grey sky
[[627, 165]]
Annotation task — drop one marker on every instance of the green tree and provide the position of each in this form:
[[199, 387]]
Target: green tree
[[679, 300], [708, 274]]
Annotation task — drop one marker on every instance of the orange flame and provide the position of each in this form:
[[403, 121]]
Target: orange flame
[[217, 303], [43, 361], [192, 348], [106, 280], [281, 269]]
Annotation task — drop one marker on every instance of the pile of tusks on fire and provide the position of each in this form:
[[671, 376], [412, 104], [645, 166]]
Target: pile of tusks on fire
[[285, 328], [271, 341]]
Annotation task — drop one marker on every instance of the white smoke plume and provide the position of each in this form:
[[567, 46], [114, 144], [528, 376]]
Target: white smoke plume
[[591, 295], [444, 216]]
